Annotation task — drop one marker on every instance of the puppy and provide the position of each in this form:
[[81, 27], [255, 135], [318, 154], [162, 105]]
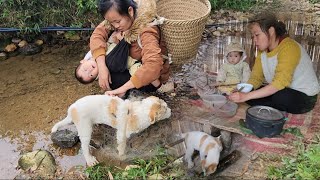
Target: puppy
[[209, 148], [125, 116]]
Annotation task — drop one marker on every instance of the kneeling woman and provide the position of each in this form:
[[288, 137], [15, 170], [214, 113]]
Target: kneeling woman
[[134, 20], [292, 84]]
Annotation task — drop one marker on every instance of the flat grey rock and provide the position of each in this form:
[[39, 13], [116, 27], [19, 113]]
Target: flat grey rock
[[65, 138], [30, 49]]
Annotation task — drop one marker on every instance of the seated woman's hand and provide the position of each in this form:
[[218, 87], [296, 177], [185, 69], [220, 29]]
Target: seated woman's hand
[[238, 97]]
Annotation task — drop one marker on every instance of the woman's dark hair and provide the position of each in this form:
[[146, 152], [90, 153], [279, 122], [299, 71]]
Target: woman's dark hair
[[120, 5], [267, 20], [80, 79]]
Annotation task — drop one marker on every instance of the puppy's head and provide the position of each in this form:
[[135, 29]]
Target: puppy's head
[[158, 109], [211, 161]]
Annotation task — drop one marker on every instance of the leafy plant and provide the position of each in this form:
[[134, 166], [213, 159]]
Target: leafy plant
[[31, 15], [303, 165], [293, 130], [141, 168], [97, 172], [314, 1], [240, 5]]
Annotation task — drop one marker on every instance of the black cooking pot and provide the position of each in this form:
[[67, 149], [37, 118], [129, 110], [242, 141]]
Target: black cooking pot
[[264, 121]]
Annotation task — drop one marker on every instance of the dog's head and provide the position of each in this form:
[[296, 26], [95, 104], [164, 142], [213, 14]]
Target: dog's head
[[159, 109], [212, 151]]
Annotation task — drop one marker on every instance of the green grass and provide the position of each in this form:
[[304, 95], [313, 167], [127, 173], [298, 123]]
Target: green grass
[[31, 15], [161, 165], [97, 172], [314, 1], [240, 5], [305, 164]]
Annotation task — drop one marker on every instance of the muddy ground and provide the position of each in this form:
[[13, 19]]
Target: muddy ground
[[35, 93], [36, 90]]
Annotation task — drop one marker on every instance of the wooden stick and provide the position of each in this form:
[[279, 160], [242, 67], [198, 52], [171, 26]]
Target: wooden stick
[[217, 85]]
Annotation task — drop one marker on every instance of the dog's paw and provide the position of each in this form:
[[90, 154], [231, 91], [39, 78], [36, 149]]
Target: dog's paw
[[91, 161]]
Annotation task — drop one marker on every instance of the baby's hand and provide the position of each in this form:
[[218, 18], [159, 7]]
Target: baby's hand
[[116, 37], [119, 36]]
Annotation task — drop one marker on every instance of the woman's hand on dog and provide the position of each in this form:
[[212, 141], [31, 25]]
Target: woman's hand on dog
[[121, 91], [116, 92]]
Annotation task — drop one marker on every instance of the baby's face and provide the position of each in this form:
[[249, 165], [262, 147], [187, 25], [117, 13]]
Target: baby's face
[[234, 57], [88, 70]]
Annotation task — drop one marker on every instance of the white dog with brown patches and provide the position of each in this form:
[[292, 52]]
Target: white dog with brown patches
[[209, 149], [125, 116]]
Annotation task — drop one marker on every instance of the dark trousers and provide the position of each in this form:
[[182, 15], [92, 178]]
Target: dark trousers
[[120, 78], [288, 100]]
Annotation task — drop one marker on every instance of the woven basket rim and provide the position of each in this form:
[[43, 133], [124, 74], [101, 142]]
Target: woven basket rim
[[206, 2]]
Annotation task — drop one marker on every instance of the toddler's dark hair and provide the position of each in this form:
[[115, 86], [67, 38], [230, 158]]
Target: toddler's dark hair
[[80, 79], [266, 20]]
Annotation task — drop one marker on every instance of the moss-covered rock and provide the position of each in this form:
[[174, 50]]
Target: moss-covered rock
[[40, 162]]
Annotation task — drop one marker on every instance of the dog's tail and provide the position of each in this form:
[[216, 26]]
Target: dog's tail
[[65, 121]]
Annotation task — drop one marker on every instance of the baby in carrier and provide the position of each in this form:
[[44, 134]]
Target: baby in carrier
[[87, 71]]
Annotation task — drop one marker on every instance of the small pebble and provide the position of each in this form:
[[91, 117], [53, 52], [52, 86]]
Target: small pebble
[[22, 43], [39, 42], [10, 48], [55, 71], [3, 56], [16, 40]]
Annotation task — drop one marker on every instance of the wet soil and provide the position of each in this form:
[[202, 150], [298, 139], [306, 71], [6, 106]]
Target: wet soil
[[35, 92]]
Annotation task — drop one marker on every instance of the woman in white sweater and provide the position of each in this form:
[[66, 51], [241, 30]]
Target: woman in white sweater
[[292, 84]]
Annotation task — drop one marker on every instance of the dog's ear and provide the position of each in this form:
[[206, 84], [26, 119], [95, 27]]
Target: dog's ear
[[211, 168], [154, 110], [219, 137], [219, 140]]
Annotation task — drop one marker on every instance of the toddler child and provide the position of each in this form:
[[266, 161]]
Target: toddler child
[[235, 70]]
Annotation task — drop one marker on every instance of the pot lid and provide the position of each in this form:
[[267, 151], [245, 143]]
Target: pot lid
[[265, 113]]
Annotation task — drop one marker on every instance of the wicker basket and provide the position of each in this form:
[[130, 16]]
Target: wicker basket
[[183, 26]]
